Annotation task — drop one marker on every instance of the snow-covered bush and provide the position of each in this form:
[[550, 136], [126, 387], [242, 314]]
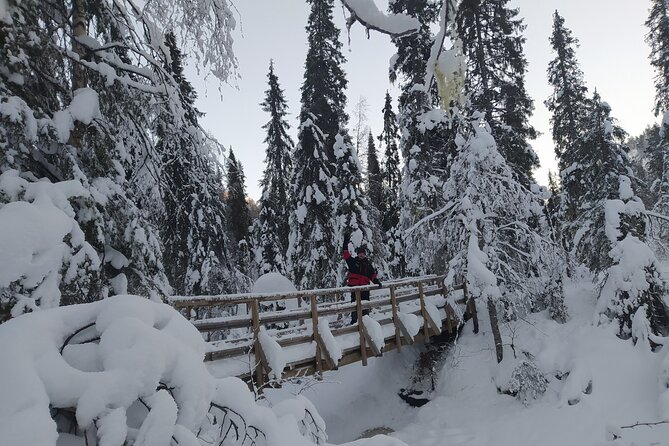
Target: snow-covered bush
[[126, 370], [527, 382], [42, 247]]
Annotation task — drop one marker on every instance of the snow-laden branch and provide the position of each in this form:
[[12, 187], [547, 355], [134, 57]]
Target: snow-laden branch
[[369, 15], [658, 216], [430, 217]]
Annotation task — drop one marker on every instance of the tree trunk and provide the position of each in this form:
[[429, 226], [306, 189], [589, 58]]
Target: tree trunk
[[79, 29], [494, 325]]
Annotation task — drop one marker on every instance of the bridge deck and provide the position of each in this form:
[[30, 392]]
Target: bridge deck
[[248, 334]]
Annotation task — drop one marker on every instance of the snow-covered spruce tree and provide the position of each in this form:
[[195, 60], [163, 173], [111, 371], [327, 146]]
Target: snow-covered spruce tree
[[649, 155], [78, 103], [553, 203], [592, 167], [424, 131], [633, 290], [491, 35], [193, 222], [272, 229], [611, 225], [658, 171], [237, 211], [658, 39], [567, 104], [484, 230], [92, 120], [391, 182], [374, 175], [313, 253], [353, 220], [641, 150], [375, 209]]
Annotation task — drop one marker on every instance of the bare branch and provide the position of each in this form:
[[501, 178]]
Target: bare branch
[[632, 426]]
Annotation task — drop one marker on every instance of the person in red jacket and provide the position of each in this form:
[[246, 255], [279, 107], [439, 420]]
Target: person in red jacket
[[360, 272]]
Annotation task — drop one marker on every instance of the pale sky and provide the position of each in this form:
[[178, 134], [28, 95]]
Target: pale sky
[[613, 56]]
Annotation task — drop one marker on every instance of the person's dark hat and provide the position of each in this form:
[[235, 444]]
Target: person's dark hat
[[360, 249]]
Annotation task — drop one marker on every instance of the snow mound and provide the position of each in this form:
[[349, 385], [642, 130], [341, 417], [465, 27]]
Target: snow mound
[[129, 371], [273, 283]]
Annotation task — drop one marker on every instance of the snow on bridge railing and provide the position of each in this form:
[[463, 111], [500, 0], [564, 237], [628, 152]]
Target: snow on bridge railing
[[267, 338], [218, 299]]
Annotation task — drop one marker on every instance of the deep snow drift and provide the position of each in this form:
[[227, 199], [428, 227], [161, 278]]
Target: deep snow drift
[[126, 370]]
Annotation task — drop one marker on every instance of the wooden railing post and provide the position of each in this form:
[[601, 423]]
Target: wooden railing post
[[396, 322], [188, 311], [449, 310], [257, 349], [363, 343], [471, 307], [423, 312], [316, 337]]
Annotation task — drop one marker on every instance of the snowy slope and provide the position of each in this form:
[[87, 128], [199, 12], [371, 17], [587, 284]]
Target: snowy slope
[[468, 410]]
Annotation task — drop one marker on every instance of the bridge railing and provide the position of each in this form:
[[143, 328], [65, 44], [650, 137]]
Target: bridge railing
[[298, 326]]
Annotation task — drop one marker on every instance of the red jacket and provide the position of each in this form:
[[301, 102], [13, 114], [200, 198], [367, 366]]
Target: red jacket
[[360, 271]]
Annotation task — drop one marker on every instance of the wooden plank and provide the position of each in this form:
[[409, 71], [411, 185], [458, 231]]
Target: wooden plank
[[363, 347], [393, 303]]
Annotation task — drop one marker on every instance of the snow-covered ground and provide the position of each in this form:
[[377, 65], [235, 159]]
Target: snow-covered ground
[[597, 384]]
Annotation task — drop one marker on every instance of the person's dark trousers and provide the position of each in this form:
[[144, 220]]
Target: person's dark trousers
[[364, 295]]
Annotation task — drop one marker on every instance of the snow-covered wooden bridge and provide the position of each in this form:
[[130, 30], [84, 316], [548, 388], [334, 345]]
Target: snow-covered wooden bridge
[[305, 332]]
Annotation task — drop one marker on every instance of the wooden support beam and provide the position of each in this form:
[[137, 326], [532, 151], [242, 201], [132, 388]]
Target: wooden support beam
[[471, 308], [370, 342], [423, 312], [316, 337], [393, 303], [361, 329], [261, 362], [432, 324], [405, 332], [450, 314]]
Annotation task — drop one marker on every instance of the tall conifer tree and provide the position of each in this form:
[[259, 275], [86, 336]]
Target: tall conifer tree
[[374, 175], [238, 215], [424, 133], [193, 222], [272, 227], [313, 254], [391, 182], [491, 35], [658, 39], [568, 104]]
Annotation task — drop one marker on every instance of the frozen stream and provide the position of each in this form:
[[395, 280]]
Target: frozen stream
[[356, 400]]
